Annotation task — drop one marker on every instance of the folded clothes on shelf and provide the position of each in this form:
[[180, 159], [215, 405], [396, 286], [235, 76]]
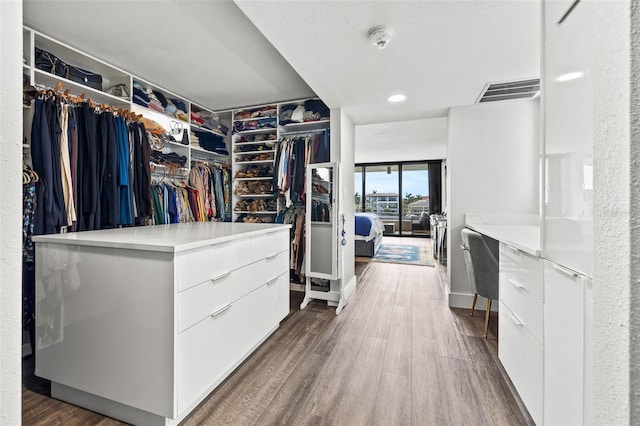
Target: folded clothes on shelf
[[261, 123], [311, 110], [168, 158], [211, 142]]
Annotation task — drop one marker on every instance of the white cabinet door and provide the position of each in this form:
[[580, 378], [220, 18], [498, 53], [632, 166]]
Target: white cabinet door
[[568, 114], [563, 345]]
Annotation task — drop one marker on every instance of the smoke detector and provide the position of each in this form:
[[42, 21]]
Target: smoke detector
[[380, 36]]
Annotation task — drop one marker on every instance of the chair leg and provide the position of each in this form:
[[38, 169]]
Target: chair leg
[[486, 318], [473, 304]]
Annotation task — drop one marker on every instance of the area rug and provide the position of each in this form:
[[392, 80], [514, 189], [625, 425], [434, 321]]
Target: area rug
[[401, 253]]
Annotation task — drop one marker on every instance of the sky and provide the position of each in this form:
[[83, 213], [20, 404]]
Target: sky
[[413, 181]]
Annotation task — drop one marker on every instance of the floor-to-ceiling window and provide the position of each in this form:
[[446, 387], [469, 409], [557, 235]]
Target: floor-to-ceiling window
[[398, 193]]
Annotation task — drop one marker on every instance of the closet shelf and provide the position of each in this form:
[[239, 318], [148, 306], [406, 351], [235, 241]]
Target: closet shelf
[[243, 120], [153, 114], [255, 178], [307, 125], [204, 129], [254, 152], [256, 212], [177, 145], [98, 96], [212, 153], [256, 131], [254, 142], [255, 162], [255, 195]]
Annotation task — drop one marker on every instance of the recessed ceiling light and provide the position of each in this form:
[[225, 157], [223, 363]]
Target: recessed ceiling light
[[397, 98], [570, 76]]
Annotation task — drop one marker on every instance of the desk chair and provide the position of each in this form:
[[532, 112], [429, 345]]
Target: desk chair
[[481, 256]]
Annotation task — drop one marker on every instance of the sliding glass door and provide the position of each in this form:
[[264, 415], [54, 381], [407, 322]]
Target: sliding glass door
[[381, 195], [398, 193], [415, 201]]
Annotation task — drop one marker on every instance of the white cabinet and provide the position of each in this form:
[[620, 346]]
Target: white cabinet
[[568, 136], [521, 325], [567, 359], [142, 323]]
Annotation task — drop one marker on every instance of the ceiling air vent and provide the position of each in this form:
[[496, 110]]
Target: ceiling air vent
[[523, 89]]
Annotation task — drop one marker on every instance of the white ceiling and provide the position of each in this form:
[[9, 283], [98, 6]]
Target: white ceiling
[[206, 51], [442, 52], [424, 139]]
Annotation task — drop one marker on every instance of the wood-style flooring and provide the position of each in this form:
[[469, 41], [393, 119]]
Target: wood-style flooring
[[396, 355]]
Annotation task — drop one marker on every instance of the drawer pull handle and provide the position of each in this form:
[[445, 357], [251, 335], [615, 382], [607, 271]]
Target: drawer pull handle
[[517, 320], [516, 284], [565, 271], [219, 277], [273, 281], [517, 250], [221, 311], [273, 256]]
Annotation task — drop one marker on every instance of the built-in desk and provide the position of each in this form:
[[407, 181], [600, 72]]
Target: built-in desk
[[521, 309], [523, 237]]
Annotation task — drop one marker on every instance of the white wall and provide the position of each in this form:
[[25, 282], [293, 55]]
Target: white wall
[[10, 210], [492, 167], [401, 141], [616, 221], [342, 151]]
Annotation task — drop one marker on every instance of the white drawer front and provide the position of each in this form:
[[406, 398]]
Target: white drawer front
[[267, 245], [199, 265], [522, 358], [530, 311], [278, 298], [207, 351], [524, 268], [202, 300]]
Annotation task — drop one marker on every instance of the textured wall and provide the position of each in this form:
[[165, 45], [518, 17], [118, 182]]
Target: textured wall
[[10, 209], [615, 178], [634, 321]]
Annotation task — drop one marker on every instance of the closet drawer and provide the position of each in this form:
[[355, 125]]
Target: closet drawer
[[208, 351], [278, 298], [263, 246], [199, 265], [523, 268], [528, 310], [202, 300], [522, 358]]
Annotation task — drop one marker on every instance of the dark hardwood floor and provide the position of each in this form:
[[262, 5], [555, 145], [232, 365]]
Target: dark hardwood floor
[[396, 355]]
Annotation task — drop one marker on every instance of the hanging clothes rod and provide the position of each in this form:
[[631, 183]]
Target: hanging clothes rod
[[209, 160], [304, 132]]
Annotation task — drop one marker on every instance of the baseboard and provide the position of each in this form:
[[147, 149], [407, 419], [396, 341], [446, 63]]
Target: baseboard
[[464, 300]]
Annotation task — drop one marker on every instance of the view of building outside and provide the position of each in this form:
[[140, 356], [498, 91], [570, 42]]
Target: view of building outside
[[382, 183]]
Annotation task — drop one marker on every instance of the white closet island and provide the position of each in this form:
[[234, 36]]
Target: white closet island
[[141, 324]]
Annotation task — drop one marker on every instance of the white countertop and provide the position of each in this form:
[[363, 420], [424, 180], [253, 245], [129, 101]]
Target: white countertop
[[172, 238], [522, 237]]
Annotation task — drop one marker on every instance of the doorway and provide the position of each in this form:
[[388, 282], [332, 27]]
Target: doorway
[[400, 193]]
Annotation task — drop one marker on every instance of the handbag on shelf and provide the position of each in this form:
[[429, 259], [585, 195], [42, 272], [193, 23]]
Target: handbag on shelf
[[84, 77], [47, 61]]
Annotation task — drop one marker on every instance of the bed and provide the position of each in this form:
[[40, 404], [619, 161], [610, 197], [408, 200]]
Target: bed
[[368, 234]]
